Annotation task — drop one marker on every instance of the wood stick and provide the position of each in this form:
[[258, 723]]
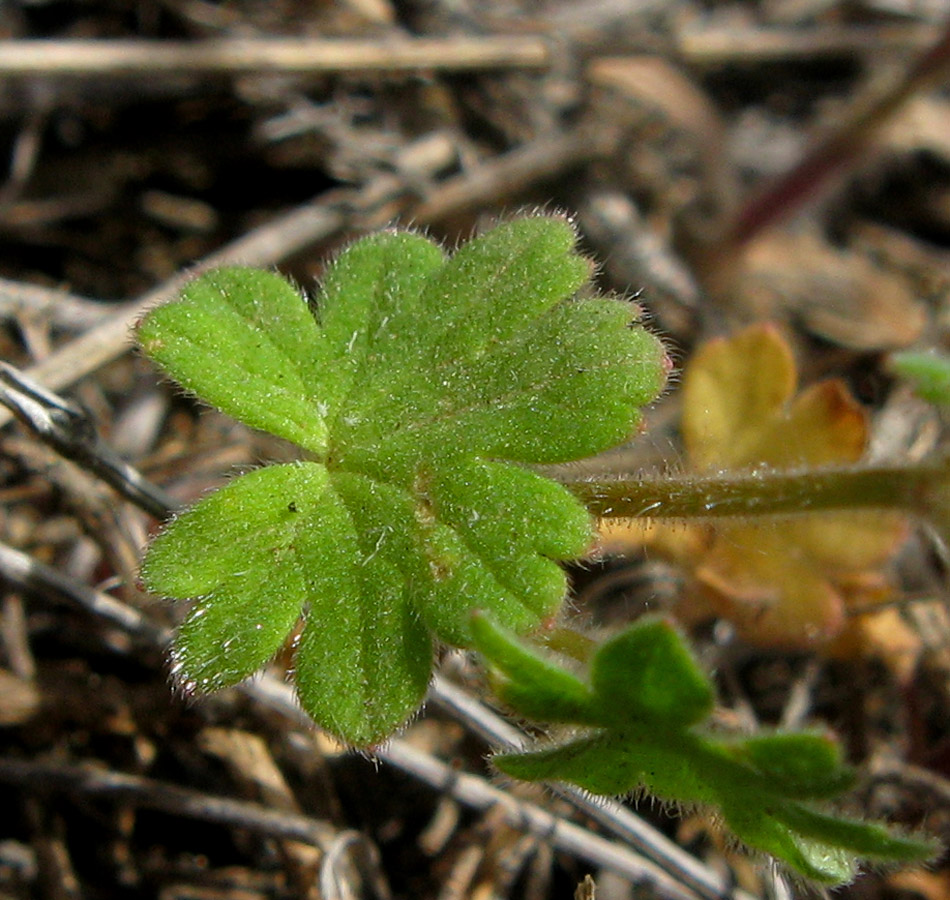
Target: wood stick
[[135, 58], [754, 46]]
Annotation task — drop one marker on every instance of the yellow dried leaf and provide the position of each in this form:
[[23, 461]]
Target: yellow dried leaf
[[769, 587], [730, 388], [783, 581], [823, 425]]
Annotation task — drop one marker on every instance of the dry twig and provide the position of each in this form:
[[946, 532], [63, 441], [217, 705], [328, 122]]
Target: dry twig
[[136, 58]]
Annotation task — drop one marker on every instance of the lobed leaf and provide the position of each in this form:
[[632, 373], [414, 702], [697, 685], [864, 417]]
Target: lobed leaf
[[416, 382], [647, 698], [646, 674]]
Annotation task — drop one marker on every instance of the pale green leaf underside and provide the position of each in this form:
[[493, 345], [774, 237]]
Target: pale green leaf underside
[[414, 383], [644, 697]]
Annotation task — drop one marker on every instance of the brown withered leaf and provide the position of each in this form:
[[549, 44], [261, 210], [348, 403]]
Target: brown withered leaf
[[839, 295]]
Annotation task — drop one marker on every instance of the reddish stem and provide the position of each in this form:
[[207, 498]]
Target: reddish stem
[[837, 150]]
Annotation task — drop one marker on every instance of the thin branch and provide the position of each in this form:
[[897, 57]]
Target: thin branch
[[298, 56], [68, 429], [24, 573], [506, 175], [63, 309], [839, 148], [717, 46], [319, 56], [94, 783]]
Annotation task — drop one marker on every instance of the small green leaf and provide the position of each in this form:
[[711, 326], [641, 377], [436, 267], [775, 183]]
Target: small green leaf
[[592, 763], [799, 765], [534, 685], [617, 762], [649, 698], [265, 521], [416, 383], [868, 839], [757, 827], [646, 673], [928, 372]]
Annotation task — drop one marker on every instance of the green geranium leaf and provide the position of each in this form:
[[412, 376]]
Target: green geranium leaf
[[416, 383], [592, 763], [798, 764], [865, 838], [757, 827], [616, 762], [647, 673], [534, 685], [643, 710]]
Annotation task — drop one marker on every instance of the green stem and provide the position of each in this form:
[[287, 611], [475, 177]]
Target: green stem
[[911, 487]]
